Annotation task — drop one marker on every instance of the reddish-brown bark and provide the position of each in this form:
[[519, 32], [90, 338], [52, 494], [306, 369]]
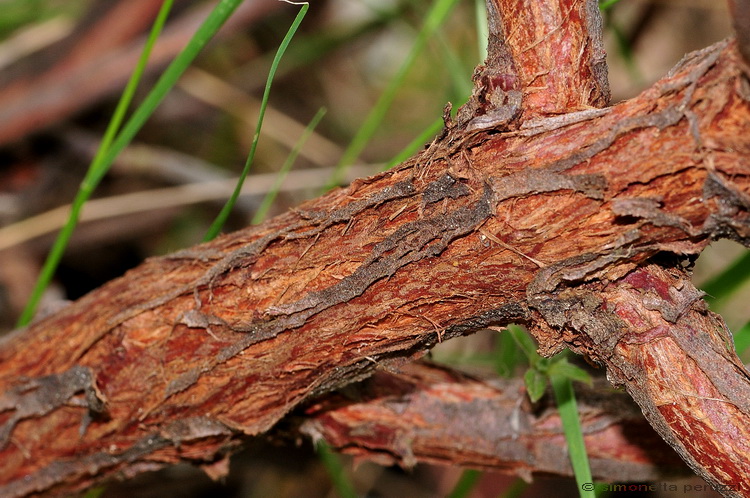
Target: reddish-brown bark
[[653, 332], [511, 215], [422, 412]]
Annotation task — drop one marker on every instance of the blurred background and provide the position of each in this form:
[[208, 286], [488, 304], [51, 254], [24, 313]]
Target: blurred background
[[63, 65]]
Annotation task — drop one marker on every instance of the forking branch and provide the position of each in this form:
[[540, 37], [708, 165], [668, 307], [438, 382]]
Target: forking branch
[[187, 355]]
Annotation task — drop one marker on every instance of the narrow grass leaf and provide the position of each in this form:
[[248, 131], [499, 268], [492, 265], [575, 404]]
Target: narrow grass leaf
[[336, 471], [21, 14], [127, 95], [459, 74], [742, 339], [525, 342], [466, 484], [310, 48], [728, 281], [507, 355], [563, 368], [536, 383], [218, 223], [267, 201], [568, 408], [560, 374], [97, 169]]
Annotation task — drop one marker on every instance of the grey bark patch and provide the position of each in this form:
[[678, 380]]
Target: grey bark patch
[[649, 209], [534, 181], [444, 187], [39, 396]]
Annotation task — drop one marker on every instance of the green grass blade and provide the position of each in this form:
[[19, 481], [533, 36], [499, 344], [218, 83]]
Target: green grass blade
[[312, 47], [460, 79], [216, 18], [607, 4], [742, 339], [480, 9], [516, 489], [566, 405], [336, 471], [525, 342], [466, 483], [560, 366], [267, 202], [96, 170], [218, 223], [507, 355], [129, 92], [729, 280], [435, 17], [21, 14], [459, 74]]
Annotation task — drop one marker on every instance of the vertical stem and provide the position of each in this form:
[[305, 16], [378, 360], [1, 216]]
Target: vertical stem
[[557, 49]]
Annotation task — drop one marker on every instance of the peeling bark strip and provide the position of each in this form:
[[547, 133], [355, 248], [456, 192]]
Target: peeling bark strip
[[40, 396], [409, 416], [521, 216]]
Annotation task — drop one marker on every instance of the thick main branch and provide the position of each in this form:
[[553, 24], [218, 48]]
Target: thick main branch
[[519, 204], [190, 352]]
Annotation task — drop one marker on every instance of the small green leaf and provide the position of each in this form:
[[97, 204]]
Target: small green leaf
[[563, 368], [507, 356], [536, 383], [525, 342], [543, 364]]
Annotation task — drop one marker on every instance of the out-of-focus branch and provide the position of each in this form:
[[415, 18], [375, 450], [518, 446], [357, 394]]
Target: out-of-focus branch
[[425, 413], [98, 59]]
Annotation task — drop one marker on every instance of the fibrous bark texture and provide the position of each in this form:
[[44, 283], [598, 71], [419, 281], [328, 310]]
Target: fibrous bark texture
[[536, 205]]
